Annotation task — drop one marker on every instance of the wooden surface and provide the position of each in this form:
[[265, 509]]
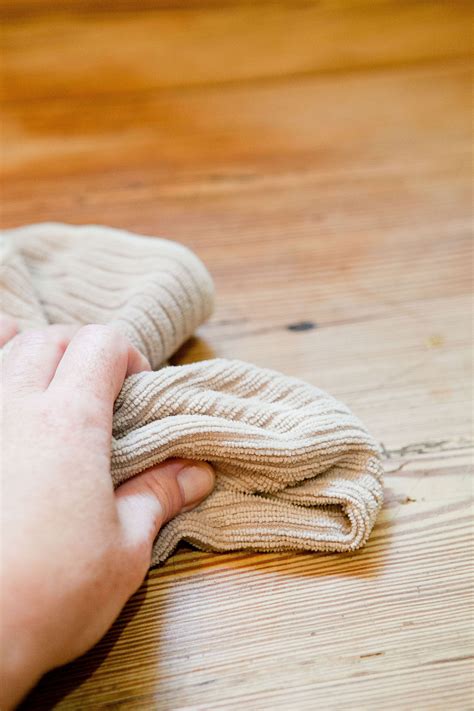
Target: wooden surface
[[316, 156]]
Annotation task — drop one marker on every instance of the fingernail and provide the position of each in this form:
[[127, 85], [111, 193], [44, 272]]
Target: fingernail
[[196, 482]]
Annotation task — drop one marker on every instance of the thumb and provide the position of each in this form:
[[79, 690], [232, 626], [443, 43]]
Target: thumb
[[147, 501]]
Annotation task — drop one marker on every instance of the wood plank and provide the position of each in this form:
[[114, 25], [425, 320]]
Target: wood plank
[[95, 50], [191, 144]]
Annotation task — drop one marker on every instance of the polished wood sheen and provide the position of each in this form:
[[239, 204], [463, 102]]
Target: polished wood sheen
[[316, 155]]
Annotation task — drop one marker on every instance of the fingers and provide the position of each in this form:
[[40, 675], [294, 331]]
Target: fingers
[[33, 356], [8, 329], [96, 362], [93, 359], [147, 501]]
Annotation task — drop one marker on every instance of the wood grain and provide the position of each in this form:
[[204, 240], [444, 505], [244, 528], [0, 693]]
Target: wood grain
[[317, 156]]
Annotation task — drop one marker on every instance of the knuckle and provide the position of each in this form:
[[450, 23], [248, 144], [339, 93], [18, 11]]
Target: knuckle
[[31, 338], [105, 337], [29, 343], [39, 337], [96, 331]]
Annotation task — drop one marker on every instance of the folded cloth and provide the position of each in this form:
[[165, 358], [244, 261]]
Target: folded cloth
[[296, 470]]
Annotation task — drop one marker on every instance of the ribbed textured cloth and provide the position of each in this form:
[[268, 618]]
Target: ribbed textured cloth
[[154, 291], [296, 470]]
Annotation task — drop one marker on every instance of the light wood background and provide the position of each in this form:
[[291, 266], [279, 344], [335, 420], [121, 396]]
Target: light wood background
[[316, 155]]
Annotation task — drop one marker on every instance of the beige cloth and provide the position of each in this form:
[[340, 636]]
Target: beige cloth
[[296, 469]]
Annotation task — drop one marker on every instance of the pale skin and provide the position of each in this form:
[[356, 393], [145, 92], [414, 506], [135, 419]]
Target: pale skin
[[73, 550]]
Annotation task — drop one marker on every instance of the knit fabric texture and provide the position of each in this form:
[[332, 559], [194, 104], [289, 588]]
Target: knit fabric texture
[[296, 470]]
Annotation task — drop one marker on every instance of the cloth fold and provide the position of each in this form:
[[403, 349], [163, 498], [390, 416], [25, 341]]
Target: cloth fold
[[296, 470]]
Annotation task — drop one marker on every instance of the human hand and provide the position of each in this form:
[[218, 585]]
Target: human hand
[[73, 550]]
